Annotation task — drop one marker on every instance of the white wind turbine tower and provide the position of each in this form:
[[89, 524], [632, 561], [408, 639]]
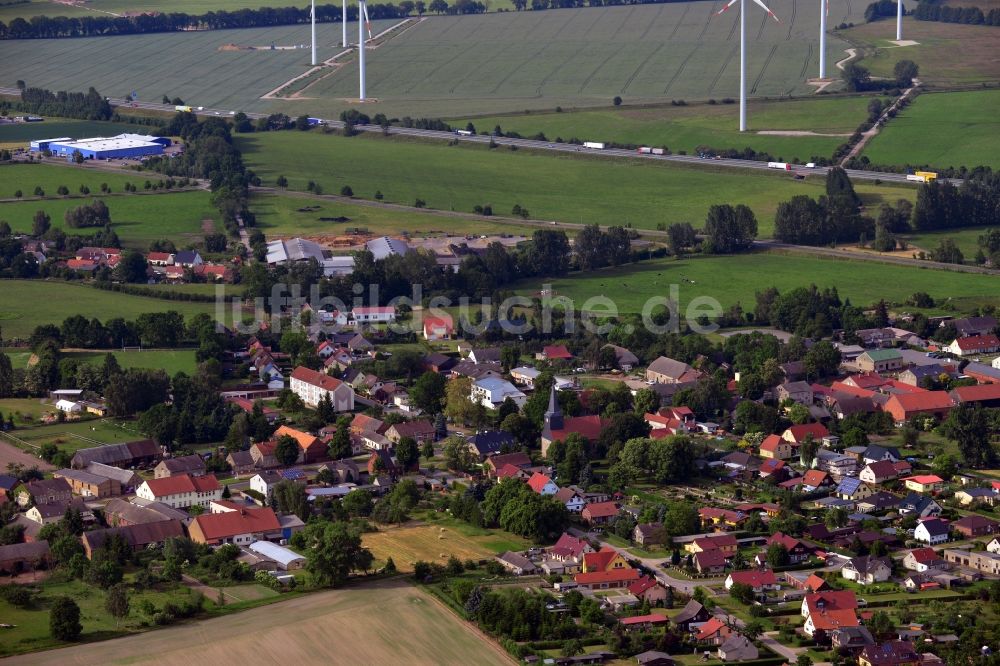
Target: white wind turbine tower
[[363, 24], [743, 53], [824, 11], [899, 20], [314, 32], [343, 24]]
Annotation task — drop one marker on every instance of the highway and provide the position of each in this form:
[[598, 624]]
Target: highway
[[529, 144]]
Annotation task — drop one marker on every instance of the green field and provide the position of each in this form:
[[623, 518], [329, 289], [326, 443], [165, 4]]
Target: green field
[[23, 133], [30, 303], [26, 177], [565, 188], [75, 435], [584, 57], [966, 239], [99, 7], [737, 278], [280, 215], [170, 360], [454, 65], [138, 219], [947, 53], [943, 130], [688, 127], [189, 64]]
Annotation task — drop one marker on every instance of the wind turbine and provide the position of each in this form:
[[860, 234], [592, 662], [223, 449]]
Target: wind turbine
[[343, 24], [314, 32], [362, 25], [899, 20], [824, 11], [743, 53]]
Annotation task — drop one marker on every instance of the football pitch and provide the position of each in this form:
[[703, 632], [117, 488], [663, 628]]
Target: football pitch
[[456, 65]]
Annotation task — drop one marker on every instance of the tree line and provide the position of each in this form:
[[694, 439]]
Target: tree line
[[87, 106], [932, 10]]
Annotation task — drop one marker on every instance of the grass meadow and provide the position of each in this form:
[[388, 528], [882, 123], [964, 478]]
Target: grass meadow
[[947, 53], [943, 130], [432, 543], [966, 239], [564, 188], [138, 219], [737, 278], [30, 303], [49, 177], [688, 127]]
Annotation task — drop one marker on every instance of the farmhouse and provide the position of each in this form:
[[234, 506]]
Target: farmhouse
[[311, 449], [18, 557], [975, 344], [880, 360], [311, 386], [904, 406], [237, 527], [181, 492], [45, 491], [88, 484], [668, 371], [599, 513], [516, 563], [420, 430], [438, 328], [192, 465]]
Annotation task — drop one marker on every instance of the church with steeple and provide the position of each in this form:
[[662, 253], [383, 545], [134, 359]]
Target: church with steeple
[[557, 427]]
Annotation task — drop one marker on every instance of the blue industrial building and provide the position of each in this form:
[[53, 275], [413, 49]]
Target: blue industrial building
[[99, 148]]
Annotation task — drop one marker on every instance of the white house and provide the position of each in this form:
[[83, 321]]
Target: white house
[[867, 570], [931, 531], [974, 344], [373, 315], [181, 491], [572, 499], [492, 391], [264, 482], [542, 484], [69, 407], [311, 386], [994, 546], [996, 363]]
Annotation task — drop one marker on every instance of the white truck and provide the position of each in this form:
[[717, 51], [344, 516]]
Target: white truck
[[784, 166], [596, 145]]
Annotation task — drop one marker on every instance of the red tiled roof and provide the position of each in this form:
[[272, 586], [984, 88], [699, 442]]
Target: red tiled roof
[[508, 470], [588, 427], [916, 402], [613, 576], [977, 393], [831, 600], [600, 560], [315, 378], [817, 430], [182, 483], [445, 322], [788, 542], [712, 627], [925, 555], [654, 618], [829, 620], [974, 342], [571, 543], [754, 577], [925, 479], [303, 439], [815, 582], [710, 558], [556, 351], [601, 509], [641, 585], [716, 542], [538, 481], [231, 523], [814, 477], [771, 443], [883, 469], [850, 389]]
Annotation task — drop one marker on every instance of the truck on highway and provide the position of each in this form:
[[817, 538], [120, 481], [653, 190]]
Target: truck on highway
[[182, 107], [784, 166], [922, 176], [596, 145], [463, 132], [646, 150]]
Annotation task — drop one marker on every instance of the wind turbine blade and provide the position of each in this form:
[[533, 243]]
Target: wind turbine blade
[[368, 24], [766, 9], [827, 7], [730, 4]]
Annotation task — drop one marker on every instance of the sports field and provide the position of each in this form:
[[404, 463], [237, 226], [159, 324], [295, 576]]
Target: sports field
[[943, 130], [389, 622], [737, 278], [826, 122], [138, 219], [562, 188], [29, 303], [947, 53], [75, 435], [454, 65]]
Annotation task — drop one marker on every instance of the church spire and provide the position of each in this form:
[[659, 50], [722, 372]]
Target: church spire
[[553, 416]]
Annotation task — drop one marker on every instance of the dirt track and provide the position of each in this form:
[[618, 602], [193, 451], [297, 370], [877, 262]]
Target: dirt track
[[11, 454]]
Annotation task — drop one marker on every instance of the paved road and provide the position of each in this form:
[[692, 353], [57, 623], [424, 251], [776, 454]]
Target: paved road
[[521, 143]]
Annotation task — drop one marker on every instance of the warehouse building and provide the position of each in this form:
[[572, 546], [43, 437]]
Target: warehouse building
[[101, 148]]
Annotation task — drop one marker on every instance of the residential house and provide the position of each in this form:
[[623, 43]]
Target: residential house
[[800, 392], [922, 559], [724, 543], [931, 531], [974, 345], [188, 258], [878, 502], [193, 465], [241, 527], [126, 479], [542, 484], [419, 430], [761, 580], [815, 479], [624, 359], [492, 391], [603, 580], [924, 483], [649, 590], [643, 622], [437, 362], [311, 448], [851, 639], [867, 570], [878, 472], [373, 315], [488, 443], [438, 328], [798, 552], [922, 506], [518, 459], [890, 653], [649, 534], [713, 632], [875, 452], [182, 491], [721, 517], [796, 434], [975, 526], [263, 455], [571, 498], [53, 512], [311, 386], [86, 484], [692, 613], [516, 563], [854, 489], [554, 353], [709, 562], [605, 559], [973, 496], [826, 612], [738, 648], [774, 447], [241, 462], [599, 513], [880, 360], [45, 491], [971, 326], [525, 376]]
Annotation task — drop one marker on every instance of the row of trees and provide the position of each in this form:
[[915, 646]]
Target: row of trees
[[941, 205], [88, 106], [928, 10]]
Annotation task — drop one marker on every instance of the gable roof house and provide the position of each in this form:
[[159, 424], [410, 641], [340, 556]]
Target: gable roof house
[[760, 580], [182, 491], [738, 648], [904, 406], [923, 506], [692, 613], [240, 527], [571, 498], [311, 448], [192, 465], [311, 386], [87, 484], [137, 454], [975, 526], [880, 360], [542, 484], [599, 513], [890, 653], [975, 344], [668, 371], [931, 531], [45, 491], [775, 447], [488, 443], [867, 570], [492, 391], [139, 536], [624, 359], [439, 327], [878, 472], [922, 559], [420, 430]]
